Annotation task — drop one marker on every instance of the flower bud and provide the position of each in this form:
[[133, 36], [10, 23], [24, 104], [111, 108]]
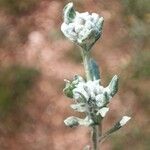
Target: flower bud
[[82, 28]]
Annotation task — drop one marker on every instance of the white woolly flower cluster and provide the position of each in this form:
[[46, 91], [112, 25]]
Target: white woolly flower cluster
[[90, 90], [90, 97], [81, 28], [94, 92]]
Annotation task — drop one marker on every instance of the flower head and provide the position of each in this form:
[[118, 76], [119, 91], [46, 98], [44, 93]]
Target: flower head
[[82, 28], [94, 92]]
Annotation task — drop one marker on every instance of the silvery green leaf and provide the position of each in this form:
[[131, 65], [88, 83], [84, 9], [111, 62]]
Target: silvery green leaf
[[75, 121], [124, 120], [94, 69], [115, 127], [69, 13], [103, 111], [70, 85], [100, 23], [113, 86], [68, 89], [86, 122], [120, 123], [71, 121], [80, 107]]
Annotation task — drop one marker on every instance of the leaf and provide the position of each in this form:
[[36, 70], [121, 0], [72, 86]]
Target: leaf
[[113, 85], [72, 121], [81, 107], [69, 13], [94, 69]]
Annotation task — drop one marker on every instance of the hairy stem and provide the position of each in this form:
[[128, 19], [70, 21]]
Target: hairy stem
[[86, 58], [107, 133], [95, 128], [95, 137]]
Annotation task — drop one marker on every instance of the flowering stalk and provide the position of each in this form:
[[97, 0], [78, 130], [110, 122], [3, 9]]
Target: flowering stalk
[[95, 128], [89, 96], [86, 57]]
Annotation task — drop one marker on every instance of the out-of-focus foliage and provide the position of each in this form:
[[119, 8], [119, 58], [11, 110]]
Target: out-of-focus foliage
[[137, 16], [136, 75], [18, 7], [141, 65], [15, 83], [137, 140], [3, 33], [139, 8], [74, 55], [15, 38]]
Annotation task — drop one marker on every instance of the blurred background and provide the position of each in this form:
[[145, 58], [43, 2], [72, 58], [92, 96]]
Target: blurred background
[[35, 57]]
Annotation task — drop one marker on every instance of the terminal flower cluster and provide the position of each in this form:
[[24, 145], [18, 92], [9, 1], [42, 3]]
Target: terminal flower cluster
[[82, 28]]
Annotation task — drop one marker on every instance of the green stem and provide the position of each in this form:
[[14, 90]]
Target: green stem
[[95, 128], [86, 58], [107, 133], [95, 137]]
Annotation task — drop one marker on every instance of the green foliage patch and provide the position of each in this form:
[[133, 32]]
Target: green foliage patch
[[18, 7], [15, 82]]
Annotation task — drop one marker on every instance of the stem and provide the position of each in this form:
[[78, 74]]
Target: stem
[[107, 133], [104, 136], [96, 130], [86, 57], [95, 137]]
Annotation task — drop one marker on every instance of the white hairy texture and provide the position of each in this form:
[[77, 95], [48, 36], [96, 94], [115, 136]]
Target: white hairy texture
[[87, 89], [100, 99], [124, 120], [80, 92], [103, 111], [81, 28], [90, 90]]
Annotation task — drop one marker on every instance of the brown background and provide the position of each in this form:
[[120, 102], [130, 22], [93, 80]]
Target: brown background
[[35, 57]]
